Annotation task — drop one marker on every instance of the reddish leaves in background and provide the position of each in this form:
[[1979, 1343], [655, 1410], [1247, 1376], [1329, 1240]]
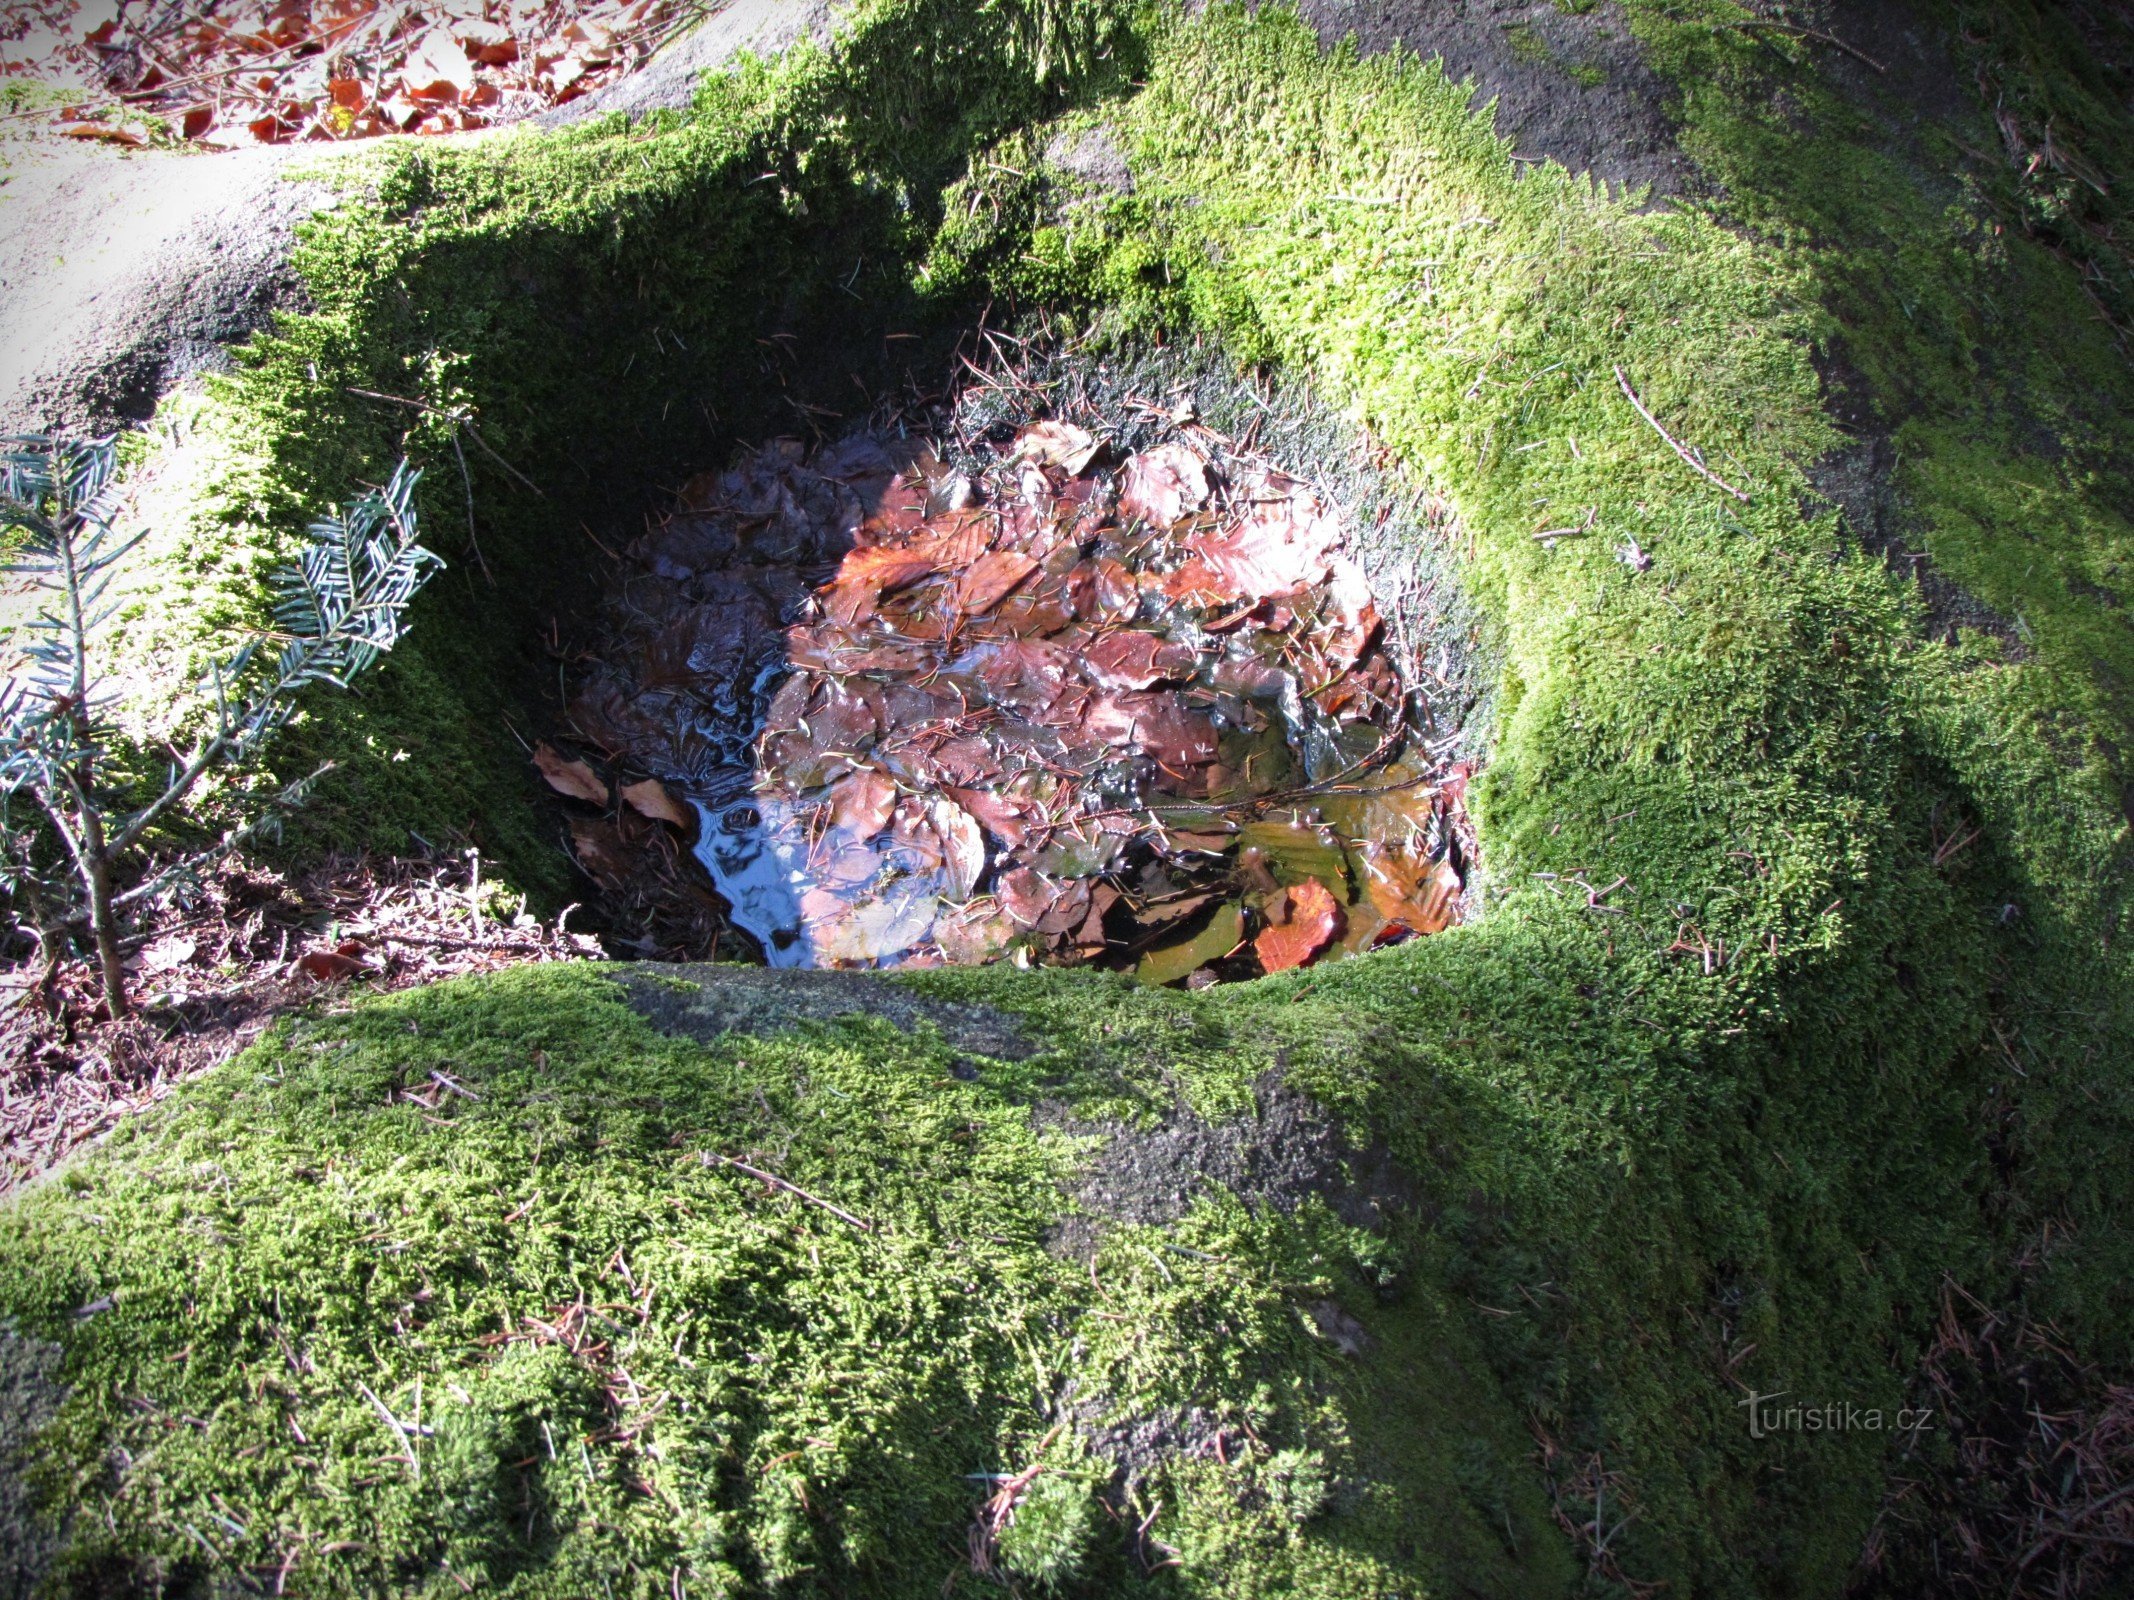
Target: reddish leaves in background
[[235, 72]]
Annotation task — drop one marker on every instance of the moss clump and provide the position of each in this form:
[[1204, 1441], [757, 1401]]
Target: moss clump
[[461, 1285]]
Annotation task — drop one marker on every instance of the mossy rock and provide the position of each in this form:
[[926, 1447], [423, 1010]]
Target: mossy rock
[[1796, 992]]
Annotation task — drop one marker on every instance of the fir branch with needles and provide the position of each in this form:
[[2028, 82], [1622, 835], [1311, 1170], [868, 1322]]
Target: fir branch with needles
[[339, 607]]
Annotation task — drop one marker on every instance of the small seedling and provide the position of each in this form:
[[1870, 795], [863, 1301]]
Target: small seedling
[[338, 608]]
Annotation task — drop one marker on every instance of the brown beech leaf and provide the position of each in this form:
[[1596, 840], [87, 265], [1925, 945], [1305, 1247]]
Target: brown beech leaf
[[1134, 660], [963, 847], [973, 934], [861, 803], [330, 965], [1026, 895], [570, 777], [875, 930], [871, 572], [1173, 736], [1280, 546], [1069, 908], [1005, 819], [992, 578], [109, 133], [1301, 921], [1057, 444], [600, 849], [652, 799], [1440, 888], [1197, 582], [1161, 485]]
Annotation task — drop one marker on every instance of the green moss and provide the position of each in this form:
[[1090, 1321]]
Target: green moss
[[496, 1211]]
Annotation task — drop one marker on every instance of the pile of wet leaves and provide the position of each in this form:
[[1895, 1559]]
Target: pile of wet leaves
[[1022, 695]]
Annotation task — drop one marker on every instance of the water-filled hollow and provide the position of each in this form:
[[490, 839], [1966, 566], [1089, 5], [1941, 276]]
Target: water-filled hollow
[[1116, 658]]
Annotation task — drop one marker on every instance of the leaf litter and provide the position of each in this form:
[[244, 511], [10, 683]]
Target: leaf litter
[[230, 73], [1012, 691]]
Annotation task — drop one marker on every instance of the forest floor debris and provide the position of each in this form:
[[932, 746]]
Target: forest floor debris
[[213, 974], [1071, 688], [245, 72]]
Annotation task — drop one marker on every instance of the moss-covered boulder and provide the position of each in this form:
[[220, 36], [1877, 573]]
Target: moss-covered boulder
[[1793, 1022]]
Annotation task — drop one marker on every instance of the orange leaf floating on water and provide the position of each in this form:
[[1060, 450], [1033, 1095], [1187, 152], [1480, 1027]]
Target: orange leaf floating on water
[[993, 576], [1134, 660], [1161, 485], [1057, 444], [651, 799], [861, 803], [573, 778], [1301, 922], [1409, 893]]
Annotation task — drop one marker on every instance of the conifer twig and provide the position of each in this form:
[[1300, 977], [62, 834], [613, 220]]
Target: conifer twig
[[1673, 443]]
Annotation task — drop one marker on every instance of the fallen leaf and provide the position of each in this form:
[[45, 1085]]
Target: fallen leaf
[[861, 803], [1440, 889], [651, 799], [1134, 660], [1301, 921], [599, 847], [330, 965], [108, 133], [1160, 913], [1298, 854], [875, 930], [1172, 962], [971, 935], [1162, 485], [963, 847], [1026, 895], [1005, 819], [1057, 444], [869, 573], [1196, 582], [992, 578], [1281, 545], [570, 777], [437, 67]]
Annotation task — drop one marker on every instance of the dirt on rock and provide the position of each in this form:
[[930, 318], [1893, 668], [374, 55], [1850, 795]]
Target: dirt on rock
[[704, 1002], [1287, 1149], [29, 1398], [1569, 86]]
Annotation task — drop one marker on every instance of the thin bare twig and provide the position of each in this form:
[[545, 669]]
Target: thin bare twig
[[1795, 30], [1673, 443], [775, 1181]]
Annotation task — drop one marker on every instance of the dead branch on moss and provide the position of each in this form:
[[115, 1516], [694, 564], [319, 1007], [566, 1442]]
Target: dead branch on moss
[[1674, 444]]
